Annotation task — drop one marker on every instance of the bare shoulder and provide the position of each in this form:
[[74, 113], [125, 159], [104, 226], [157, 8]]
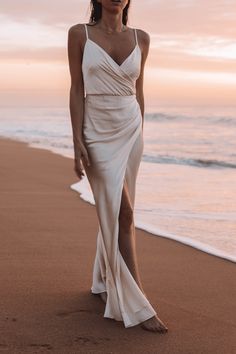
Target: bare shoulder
[[77, 28], [143, 37], [77, 33]]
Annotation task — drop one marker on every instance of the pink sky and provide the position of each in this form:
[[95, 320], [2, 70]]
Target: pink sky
[[192, 59]]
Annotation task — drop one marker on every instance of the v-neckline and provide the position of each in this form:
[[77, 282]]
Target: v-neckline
[[109, 56]]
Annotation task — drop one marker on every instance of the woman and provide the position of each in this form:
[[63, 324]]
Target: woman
[[106, 60]]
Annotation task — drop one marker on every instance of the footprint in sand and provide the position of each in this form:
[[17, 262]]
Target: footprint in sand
[[91, 340], [66, 314], [13, 319], [47, 346]]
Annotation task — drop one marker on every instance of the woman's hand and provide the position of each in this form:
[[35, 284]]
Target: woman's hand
[[81, 158]]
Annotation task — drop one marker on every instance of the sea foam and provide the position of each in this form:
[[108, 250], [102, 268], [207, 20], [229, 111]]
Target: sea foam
[[83, 188]]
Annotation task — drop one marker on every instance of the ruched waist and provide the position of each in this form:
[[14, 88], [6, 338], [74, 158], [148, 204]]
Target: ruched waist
[[111, 102], [107, 113]]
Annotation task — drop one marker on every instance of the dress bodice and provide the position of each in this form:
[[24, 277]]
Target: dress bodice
[[103, 75]]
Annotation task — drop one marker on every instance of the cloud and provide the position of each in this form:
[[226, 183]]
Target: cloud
[[203, 46], [215, 17], [54, 12], [200, 17], [36, 55], [15, 34], [185, 61]]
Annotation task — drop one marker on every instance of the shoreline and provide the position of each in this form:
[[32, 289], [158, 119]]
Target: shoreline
[[87, 197], [48, 242], [84, 195]]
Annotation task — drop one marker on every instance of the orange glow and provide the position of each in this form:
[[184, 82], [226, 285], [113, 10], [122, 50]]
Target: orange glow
[[191, 59]]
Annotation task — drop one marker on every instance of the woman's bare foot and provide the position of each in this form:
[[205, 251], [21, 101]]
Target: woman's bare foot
[[154, 324], [103, 296]]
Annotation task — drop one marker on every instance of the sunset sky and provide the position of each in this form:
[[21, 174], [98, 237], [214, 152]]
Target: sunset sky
[[192, 59]]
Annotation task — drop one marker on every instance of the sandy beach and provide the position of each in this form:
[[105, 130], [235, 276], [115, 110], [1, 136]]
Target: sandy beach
[[48, 240]]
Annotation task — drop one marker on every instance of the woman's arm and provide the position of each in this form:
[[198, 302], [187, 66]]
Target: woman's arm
[[75, 53], [144, 43]]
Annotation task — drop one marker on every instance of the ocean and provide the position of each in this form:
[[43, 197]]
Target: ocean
[[186, 187]]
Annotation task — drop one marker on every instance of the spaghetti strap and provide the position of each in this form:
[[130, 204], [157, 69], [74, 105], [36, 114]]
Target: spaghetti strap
[[86, 30], [136, 38]]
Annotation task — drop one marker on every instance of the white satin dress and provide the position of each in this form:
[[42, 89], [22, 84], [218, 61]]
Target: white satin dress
[[113, 136]]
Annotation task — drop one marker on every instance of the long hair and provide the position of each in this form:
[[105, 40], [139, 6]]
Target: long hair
[[96, 12]]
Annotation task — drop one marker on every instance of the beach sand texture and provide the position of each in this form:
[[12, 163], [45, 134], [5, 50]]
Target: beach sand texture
[[48, 240]]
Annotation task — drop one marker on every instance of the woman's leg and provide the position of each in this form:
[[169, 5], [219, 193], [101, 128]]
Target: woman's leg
[[127, 246], [127, 241]]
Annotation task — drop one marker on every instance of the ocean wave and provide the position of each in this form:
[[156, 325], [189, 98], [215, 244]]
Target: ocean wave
[[158, 117], [225, 120], [164, 117], [187, 161]]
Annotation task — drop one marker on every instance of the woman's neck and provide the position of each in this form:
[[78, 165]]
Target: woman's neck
[[111, 22]]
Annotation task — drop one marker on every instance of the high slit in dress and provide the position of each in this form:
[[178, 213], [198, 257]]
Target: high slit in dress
[[112, 131]]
